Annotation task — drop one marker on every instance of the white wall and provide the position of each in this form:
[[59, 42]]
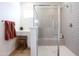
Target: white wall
[[26, 15], [8, 11], [71, 34], [34, 41]]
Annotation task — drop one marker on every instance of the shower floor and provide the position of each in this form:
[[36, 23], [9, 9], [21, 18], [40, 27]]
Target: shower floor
[[52, 51]]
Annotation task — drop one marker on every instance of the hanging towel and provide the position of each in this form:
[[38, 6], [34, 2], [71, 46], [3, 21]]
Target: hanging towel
[[10, 32], [13, 29]]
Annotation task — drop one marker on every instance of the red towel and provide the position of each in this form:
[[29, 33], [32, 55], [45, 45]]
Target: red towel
[[13, 29], [10, 32]]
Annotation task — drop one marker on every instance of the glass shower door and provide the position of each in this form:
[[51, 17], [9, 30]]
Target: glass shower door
[[47, 17]]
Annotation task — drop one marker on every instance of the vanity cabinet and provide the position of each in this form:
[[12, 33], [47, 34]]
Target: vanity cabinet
[[23, 36], [21, 42]]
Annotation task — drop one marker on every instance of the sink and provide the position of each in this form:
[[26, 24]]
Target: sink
[[22, 32]]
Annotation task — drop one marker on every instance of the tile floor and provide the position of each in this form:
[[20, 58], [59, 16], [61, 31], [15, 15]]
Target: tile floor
[[52, 51]]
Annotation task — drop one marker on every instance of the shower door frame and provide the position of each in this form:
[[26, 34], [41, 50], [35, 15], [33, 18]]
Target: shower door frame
[[58, 42]]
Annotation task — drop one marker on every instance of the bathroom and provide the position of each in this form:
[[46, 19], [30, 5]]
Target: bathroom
[[43, 28]]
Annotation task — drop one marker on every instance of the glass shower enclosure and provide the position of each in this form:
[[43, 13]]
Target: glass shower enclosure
[[47, 19]]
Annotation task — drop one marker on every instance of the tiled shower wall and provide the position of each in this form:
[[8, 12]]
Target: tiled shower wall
[[47, 21], [70, 26]]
